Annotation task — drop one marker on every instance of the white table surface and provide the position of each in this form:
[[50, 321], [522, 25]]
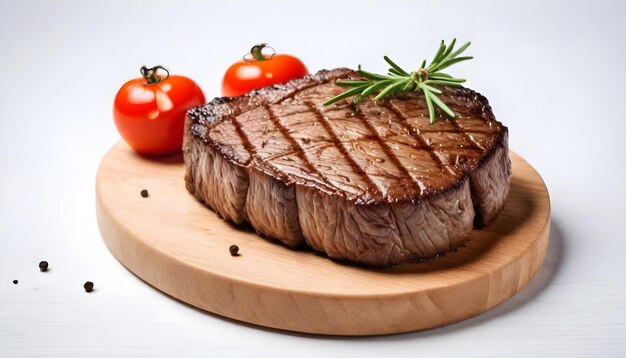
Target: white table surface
[[554, 72]]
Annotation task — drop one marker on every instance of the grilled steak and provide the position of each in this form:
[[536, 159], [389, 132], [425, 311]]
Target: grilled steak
[[373, 183]]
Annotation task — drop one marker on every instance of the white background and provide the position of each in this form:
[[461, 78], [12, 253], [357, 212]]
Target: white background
[[553, 71]]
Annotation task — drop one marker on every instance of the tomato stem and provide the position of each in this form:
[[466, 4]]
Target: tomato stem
[[257, 52], [151, 75]]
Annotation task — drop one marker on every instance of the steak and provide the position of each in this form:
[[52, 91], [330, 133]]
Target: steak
[[373, 183]]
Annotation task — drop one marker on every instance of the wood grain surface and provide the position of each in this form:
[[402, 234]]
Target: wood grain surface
[[179, 246]]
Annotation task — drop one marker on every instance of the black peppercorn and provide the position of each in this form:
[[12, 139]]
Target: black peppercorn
[[43, 266], [88, 286], [15, 282], [234, 250], [144, 193]]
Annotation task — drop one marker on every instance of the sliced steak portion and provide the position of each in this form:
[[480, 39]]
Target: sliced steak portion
[[372, 183]]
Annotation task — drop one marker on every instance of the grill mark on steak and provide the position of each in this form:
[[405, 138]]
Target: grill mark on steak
[[244, 138], [298, 149], [415, 132], [320, 118], [279, 155], [465, 135], [387, 150]]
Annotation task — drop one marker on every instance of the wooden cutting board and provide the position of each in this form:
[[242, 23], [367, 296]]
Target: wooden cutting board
[[179, 246]]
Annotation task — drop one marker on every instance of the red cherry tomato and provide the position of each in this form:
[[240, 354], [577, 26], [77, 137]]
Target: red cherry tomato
[[259, 70], [149, 112]]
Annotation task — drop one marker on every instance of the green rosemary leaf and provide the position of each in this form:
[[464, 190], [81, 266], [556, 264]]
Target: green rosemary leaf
[[450, 62], [431, 89], [393, 72], [372, 88], [396, 67], [443, 83], [443, 106], [346, 94], [461, 49], [446, 53], [408, 87], [426, 79], [429, 104], [440, 75], [442, 48], [391, 88], [372, 76], [351, 83]]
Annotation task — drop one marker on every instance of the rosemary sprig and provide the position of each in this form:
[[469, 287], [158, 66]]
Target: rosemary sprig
[[425, 79]]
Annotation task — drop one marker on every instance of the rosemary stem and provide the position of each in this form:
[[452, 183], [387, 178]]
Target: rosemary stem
[[425, 79]]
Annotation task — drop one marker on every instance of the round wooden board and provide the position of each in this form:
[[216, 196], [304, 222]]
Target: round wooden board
[[179, 246]]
